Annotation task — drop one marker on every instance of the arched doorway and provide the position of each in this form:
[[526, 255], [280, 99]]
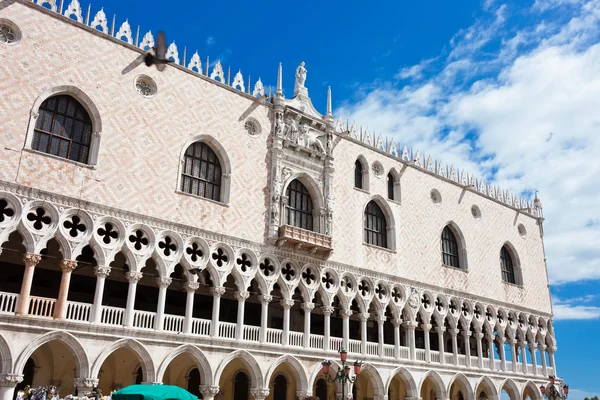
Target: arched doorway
[[185, 370], [193, 382], [397, 389], [241, 386], [28, 375], [321, 389], [280, 387], [121, 368], [460, 389], [285, 381], [432, 387]]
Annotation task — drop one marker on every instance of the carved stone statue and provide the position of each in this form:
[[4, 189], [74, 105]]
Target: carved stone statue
[[279, 124], [291, 131], [300, 76], [311, 139]]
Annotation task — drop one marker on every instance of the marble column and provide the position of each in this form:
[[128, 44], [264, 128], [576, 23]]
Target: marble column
[[490, 339], [133, 278], [30, 260], [209, 392], [551, 351], [454, 334], [67, 267], [410, 326], [397, 322], [478, 338], [440, 330], [307, 308], [513, 353], [101, 274], [364, 317], [522, 346], [8, 383], [286, 304], [163, 283], [501, 341], [542, 348], [426, 328], [190, 288], [217, 292], [265, 299], [467, 341], [380, 321], [533, 350], [346, 329], [327, 311], [241, 296]]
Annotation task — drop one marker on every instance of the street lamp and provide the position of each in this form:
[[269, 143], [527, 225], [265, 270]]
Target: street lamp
[[555, 391], [343, 373]]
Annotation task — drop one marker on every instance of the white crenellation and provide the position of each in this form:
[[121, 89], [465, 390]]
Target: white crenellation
[[100, 20], [125, 30], [218, 72], [367, 138], [379, 144], [147, 41], [74, 9], [196, 63], [339, 125], [173, 53], [405, 156], [51, 3], [354, 131], [238, 81], [259, 89]]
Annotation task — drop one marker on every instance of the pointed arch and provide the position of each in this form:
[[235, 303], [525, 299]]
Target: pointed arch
[[390, 225], [222, 159], [296, 367], [464, 382], [488, 384], [147, 363], [377, 381], [254, 369], [361, 173], [511, 388], [453, 246], [440, 387], [81, 359], [393, 186], [198, 357], [534, 391], [316, 370], [6, 359], [407, 378], [510, 264]]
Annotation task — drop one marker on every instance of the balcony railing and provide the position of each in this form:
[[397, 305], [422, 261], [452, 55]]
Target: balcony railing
[[41, 307], [304, 238]]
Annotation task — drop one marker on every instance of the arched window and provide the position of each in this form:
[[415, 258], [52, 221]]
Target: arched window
[[507, 265], [375, 225], [63, 128], [450, 248], [280, 388], [358, 175], [241, 386], [299, 207], [201, 172], [321, 389], [390, 186]]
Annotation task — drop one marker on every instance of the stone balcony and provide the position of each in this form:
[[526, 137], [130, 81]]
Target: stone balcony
[[304, 239]]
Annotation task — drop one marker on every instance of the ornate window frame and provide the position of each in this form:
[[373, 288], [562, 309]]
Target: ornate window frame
[[463, 264], [89, 106], [223, 160], [389, 220], [315, 194], [365, 174], [396, 192], [516, 261]]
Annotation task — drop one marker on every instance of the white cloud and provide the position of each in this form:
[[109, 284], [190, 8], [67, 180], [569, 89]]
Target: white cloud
[[211, 41], [527, 117], [573, 309], [576, 394]]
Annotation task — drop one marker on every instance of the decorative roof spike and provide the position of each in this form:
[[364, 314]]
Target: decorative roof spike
[[482, 186], [100, 20], [228, 76], [507, 197], [137, 37], [125, 30], [517, 202], [60, 8], [462, 178], [279, 90], [217, 72], [259, 89], [87, 17], [52, 4], [173, 53], [367, 138], [452, 173], [429, 166], [339, 125], [207, 65], [499, 194], [238, 81], [472, 182], [74, 8], [195, 63], [329, 113], [147, 41], [441, 168], [491, 191], [354, 131], [184, 56], [418, 159], [380, 145], [248, 84], [112, 28], [405, 156], [392, 150]]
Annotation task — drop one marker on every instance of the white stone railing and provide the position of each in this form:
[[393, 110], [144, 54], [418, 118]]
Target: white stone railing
[[143, 319], [200, 326], [449, 358], [227, 330], [462, 360], [317, 341], [112, 316], [404, 352], [274, 336], [497, 365], [354, 346], [79, 312], [173, 323], [251, 333], [435, 356], [474, 361], [389, 350], [41, 306], [8, 303], [486, 363], [420, 354], [336, 343], [540, 370], [296, 339], [372, 348]]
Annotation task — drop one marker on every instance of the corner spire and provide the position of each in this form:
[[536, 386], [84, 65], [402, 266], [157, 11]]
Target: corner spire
[[329, 112], [279, 90]]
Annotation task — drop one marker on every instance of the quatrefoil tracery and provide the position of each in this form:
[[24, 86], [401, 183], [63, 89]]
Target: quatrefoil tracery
[[39, 218], [194, 251], [439, 304], [425, 301], [346, 284], [327, 280], [396, 295], [244, 262], [363, 288], [288, 272], [220, 257], [308, 276], [168, 245], [139, 240], [452, 306], [266, 267], [465, 310], [5, 211], [380, 291], [74, 226], [108, 233]]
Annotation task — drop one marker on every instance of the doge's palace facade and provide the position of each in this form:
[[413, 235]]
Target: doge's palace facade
[[188, 227]]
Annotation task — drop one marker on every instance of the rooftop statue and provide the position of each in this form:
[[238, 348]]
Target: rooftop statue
[[300, 78]]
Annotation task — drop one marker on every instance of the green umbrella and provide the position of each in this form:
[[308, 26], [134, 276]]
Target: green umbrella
[[153, 392]]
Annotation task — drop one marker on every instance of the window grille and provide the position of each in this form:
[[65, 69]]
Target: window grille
[[375, 225], [201, 172], [449, 248], [300, 207], [506, 262], [63, 128]]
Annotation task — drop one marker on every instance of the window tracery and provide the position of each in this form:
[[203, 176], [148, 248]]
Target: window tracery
[[299, 207], [201, 172], [375, 226]]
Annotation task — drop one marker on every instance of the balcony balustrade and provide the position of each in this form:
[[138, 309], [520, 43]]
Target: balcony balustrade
[[303, 238], [41, 307]]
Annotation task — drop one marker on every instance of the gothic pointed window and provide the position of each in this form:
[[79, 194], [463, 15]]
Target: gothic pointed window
[[390, 186], [299, 209], [63, 128], [449, 248], [375, 225], [358, 175], [507, 265], [201, 172]]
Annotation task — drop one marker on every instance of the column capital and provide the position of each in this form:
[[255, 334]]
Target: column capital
[[208, 390], [303, 394], [490, 336], [217, 291], [259, 394], [521, 343], [85, 382], [287, 303], [396, 322], [192, 286], [265, 298], [31, 260], [327, 310], [453, 331], [479, 335], [552, 349], [134, 277], [440, 329], [346, 313], [242, 295], [163, 282], [381, 319], [308, 307], [467, 333], [426, 327], [411, 324], [363, 316], [102, 272], [501, 339], [68, 265], [10, 380], [542, 347]]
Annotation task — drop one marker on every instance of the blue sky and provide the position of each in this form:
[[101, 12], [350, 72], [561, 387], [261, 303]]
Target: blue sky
[[509, 90]]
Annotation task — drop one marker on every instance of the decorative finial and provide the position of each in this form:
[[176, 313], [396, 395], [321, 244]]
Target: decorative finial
[[279, 80], [329, 112]]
